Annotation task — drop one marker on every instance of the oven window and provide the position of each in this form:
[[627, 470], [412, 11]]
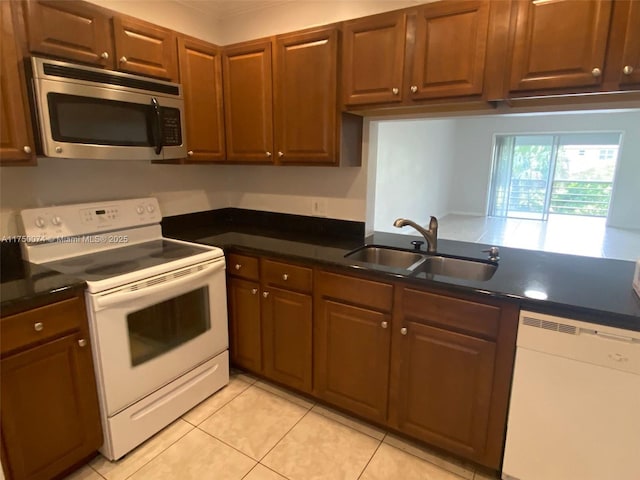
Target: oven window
[[164, 326], [98, 121]]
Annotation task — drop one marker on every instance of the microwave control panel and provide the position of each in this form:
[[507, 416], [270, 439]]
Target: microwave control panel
[[171, 128], [51, 223]]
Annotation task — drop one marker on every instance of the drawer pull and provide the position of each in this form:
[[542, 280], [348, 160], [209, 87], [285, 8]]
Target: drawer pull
[[384, 324], [265, 294], [403, 331], [82, 342], [254, 291], [238, 266], [38, 326], [285, 277]]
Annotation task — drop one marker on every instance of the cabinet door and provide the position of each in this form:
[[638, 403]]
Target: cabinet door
[[559, 44], [50, 416], [70, 29], [443, 383], [287, 338], [352, 346], [201, 78], [245, 324], [450, 49], [16, 141], [305, 97], [145, 48], [248, 109], [631, 51], [373, 59]]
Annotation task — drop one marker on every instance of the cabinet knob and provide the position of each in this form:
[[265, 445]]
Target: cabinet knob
[[104, 55], [26, 149], [403, 331], [414, 88], [82, 342], [281, 154], [123, 59], [268, 154], [265, 294], [384, 324], [190, 153], [285, 276], [238, 266], [395, 90], [596, 72], [627, 70], [254, 291], [38, 326]]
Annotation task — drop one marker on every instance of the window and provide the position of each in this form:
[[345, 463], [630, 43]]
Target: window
[[537, 175]]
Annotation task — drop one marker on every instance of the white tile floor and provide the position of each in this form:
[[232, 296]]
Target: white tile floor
[[252, 430], [587, 236]]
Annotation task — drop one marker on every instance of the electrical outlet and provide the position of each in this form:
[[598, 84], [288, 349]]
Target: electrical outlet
[[319, 207]]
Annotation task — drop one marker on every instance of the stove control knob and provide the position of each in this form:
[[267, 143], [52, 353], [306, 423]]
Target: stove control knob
[[150, 208], [40, 223], [56, 220], [140, 210]]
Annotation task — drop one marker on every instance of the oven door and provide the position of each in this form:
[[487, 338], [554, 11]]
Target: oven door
[[151, 332], [97, 122]]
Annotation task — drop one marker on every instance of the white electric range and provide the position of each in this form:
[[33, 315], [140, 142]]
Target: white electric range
[[156, 308]]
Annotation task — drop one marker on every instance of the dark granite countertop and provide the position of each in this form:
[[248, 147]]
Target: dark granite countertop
[[595, 290], [25, 285]]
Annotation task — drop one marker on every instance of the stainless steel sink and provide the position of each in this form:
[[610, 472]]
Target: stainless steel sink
[[421, 262], [387, 256], [465, 268]]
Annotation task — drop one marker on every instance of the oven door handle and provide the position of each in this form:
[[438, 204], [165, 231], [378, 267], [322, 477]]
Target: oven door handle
[[103, 301]]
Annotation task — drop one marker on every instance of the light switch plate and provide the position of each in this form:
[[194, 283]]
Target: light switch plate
[[319, 207]]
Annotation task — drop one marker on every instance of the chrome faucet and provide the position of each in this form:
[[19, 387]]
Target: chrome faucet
[[431, 235]]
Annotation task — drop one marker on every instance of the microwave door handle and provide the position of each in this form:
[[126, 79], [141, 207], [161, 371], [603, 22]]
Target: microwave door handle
[[158, 129]]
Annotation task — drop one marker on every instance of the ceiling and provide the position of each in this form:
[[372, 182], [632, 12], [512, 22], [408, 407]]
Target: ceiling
[[228, 8]]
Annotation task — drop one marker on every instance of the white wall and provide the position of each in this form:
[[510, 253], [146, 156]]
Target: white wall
[[294, 15], [473, 157], [197, 22], [179, 188], [413, 172]]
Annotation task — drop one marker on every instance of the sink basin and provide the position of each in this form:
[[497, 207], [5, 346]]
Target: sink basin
[[467, 269], [387, 256]]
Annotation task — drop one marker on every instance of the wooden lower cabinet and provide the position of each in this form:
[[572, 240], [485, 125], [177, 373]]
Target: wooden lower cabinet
[[451, 364], [245, 324], [352, 340], [444, 387], [287, 330], [50, 415]]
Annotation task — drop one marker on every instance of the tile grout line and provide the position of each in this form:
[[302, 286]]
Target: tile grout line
[[371, 458], [163, 450], [219, 408], [281, 438]]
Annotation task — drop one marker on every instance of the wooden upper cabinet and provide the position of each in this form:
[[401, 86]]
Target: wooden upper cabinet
[[305, 97], [70, 29], [201, 78], [373, 59], [248, 102], [559, 44], [145, 49], [449, 50], [629, 69], [16, 137]]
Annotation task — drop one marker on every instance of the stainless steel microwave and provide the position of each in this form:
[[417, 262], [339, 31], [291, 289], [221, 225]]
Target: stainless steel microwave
[[90, 113]]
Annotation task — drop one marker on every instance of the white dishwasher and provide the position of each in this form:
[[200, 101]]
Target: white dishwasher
[[575, 402]]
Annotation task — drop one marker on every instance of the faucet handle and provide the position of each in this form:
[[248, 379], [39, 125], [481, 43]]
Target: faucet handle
[[417, 244], [433, 223], [494, 253]]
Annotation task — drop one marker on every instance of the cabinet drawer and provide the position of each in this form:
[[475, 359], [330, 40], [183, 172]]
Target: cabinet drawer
[[429, 308], [242, 266], [41, 324], [285, 275], [354, 290]]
